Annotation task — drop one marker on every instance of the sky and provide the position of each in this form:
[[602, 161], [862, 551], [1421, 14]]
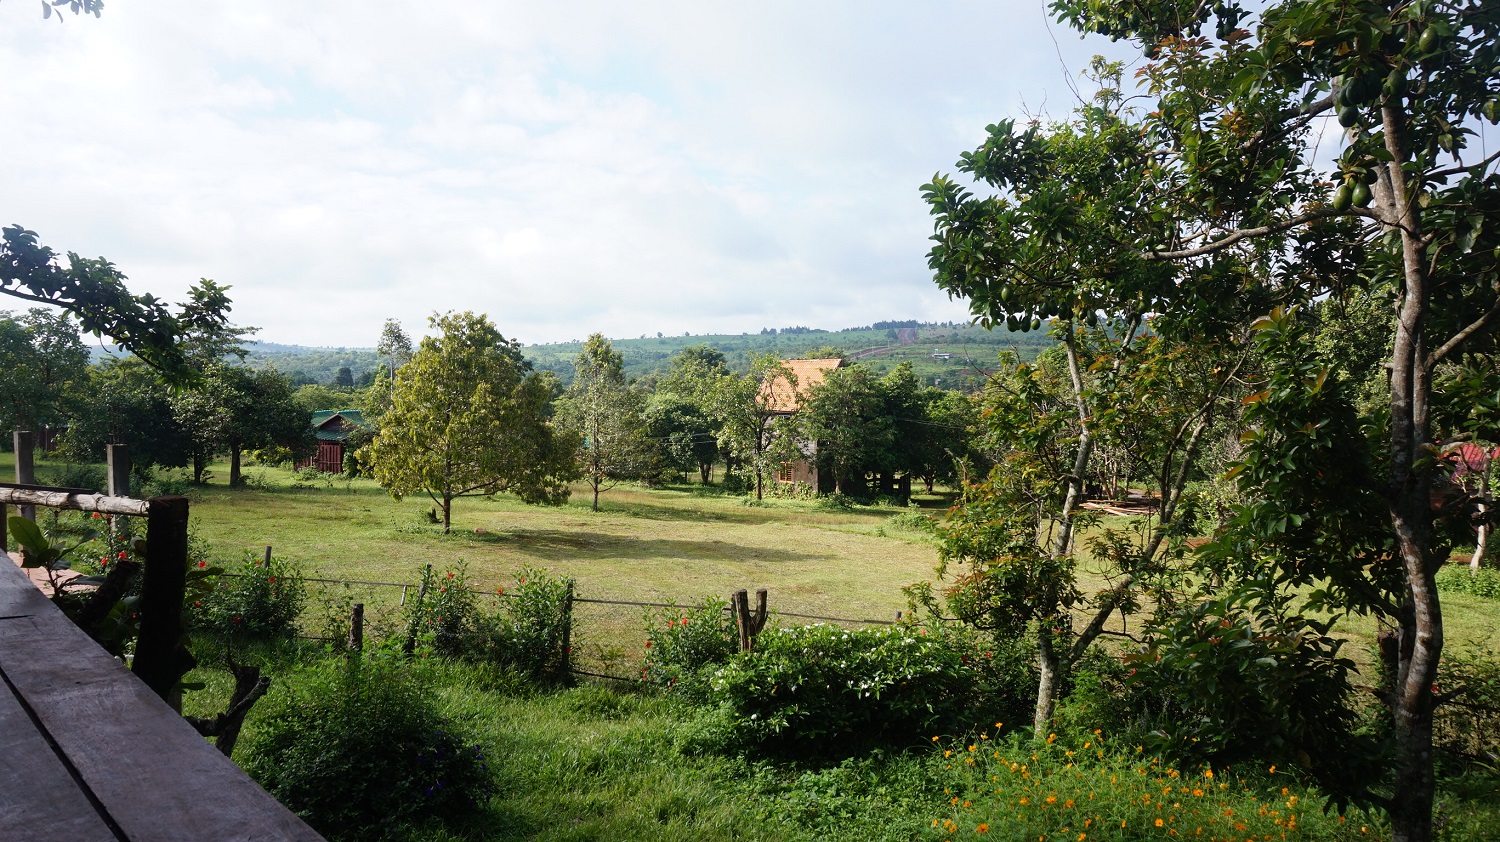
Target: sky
[[566, 168]]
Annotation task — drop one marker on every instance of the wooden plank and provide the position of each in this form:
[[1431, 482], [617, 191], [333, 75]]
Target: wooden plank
[[39, 800], [156, 778]]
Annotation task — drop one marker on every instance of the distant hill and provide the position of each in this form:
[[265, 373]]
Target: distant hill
[[949, 354]]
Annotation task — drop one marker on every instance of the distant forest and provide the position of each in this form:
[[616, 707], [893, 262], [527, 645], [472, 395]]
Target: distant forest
[[970, 352]]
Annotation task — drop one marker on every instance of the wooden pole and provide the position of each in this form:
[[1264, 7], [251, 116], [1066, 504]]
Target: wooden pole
[[160, 658], [268, 556], [740, 601], [4, 530], [24, 442], [357, 627], [117, 457]]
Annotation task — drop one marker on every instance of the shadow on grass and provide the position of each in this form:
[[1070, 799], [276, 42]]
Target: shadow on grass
[[556, 545]]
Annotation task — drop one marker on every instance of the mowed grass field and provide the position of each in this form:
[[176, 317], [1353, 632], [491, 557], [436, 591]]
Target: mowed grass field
[[681, 544]]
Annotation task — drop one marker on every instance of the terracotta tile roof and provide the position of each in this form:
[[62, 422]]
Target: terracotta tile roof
[[808, 373]]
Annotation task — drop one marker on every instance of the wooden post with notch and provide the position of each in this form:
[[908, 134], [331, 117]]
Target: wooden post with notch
[[357, 627], [160, 658], [24, 444], [749, 624]]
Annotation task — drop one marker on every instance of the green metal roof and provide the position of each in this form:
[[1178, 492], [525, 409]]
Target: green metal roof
[[335, 424]]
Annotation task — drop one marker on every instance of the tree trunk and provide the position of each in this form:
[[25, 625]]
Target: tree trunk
[[447, 513], [595, 484], [1048, 669], [1482, 541], [234, 466], [199, 464], [1409, 494]]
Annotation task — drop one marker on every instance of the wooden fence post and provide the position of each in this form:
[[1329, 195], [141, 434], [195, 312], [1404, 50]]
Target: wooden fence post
[[739, 603], [416, 614], [160, 658], [268, 556], [4, 530], [117, 458], [567, 632], [24, 442], [749, 624], [357, 627]]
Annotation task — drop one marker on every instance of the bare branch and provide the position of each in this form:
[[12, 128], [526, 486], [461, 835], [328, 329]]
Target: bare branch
[[1461, 168], [1459, 338], [1243, 234]]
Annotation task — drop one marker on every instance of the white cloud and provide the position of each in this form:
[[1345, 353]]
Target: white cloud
[[567, 168]]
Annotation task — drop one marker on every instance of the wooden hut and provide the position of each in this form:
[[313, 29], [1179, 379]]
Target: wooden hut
[[333, 427]]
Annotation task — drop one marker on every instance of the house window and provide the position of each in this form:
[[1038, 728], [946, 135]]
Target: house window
[[786, 472]]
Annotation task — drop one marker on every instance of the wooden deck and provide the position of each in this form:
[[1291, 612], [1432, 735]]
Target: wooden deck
[[88, 752]]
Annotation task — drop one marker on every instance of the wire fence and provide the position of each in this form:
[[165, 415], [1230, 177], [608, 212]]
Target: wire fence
[[608, 637]]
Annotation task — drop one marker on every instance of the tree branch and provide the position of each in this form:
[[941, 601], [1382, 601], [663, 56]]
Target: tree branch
[[1459, 338], [1460, 168], [1242, 234]]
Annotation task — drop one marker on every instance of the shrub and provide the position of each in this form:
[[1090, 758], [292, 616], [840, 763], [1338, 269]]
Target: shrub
[[1467, 727], [1459, 578], [681, 642], [831, 691], [531, 627], [78, 475], [738, 482], [311, 477], [355, 745], [1244, 681], [445, 617], [255, 599]]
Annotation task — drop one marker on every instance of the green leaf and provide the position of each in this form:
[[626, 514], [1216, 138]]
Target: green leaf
[[28, 535]]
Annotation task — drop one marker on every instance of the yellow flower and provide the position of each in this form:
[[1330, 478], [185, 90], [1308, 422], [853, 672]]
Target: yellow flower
[[1273, 769], [1208, 773], [1052, 799], [1159, 822], [983, 828], [1197, 793], [1068, 803]]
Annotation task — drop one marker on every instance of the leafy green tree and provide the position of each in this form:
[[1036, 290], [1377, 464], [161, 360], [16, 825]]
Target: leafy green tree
[[315, 397], [686, 432], [847, 415], [605, 414], [94, 291], [127, 402], [344, 378], [469, 417], [235, 409], [1230, 151], [394, 345], [755, 430], [42, 366]]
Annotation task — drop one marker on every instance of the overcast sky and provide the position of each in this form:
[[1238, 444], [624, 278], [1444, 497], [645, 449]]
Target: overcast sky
[[567, 168]]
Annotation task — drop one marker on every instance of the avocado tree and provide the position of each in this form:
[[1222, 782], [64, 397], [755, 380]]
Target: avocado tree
[[1231, 145], [469, 417]]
